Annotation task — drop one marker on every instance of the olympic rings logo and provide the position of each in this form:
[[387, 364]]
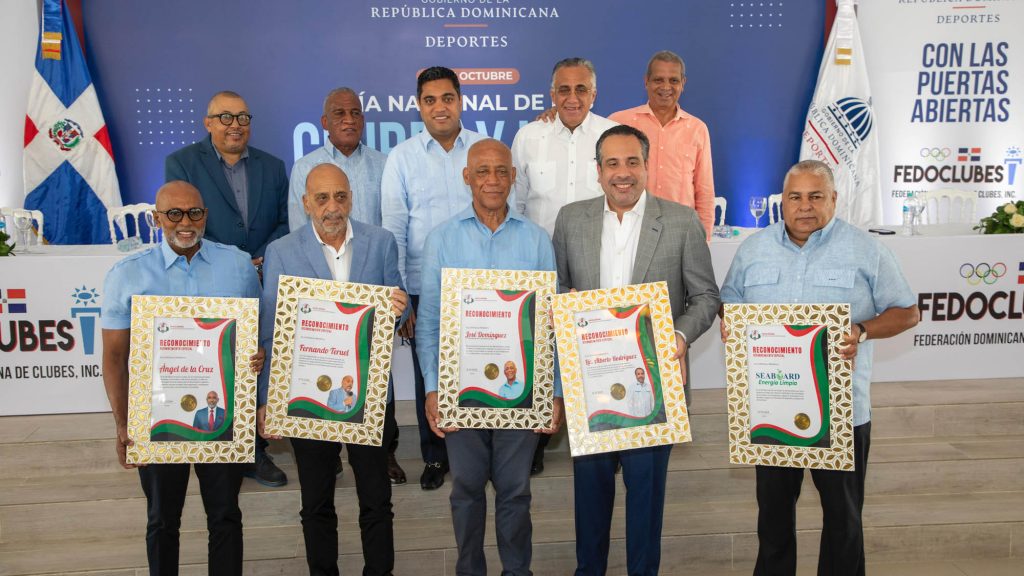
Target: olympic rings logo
[[977, 273], [936, 154]]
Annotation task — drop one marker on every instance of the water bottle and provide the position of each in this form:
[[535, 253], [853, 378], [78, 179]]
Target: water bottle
[[908, 215]]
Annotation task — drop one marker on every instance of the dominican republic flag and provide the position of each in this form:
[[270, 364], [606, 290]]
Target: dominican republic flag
[[840, 129], [69, 166]]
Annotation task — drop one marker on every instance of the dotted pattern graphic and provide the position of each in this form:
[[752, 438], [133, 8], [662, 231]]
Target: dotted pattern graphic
[[166, 117]]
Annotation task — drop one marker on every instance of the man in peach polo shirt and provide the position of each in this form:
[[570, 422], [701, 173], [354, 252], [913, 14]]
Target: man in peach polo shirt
[[679, 168]]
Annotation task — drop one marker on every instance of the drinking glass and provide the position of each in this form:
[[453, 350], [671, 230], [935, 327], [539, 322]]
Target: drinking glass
[[758, 204]]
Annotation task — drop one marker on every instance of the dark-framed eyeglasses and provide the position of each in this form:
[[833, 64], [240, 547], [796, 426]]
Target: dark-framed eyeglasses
[[176, 214], [227, 118], [565, 91]]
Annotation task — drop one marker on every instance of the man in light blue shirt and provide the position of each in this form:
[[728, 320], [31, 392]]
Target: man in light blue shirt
[[422, 186], [512, 388], [813, 257], [485, 235], [182, 265], [344, 122]]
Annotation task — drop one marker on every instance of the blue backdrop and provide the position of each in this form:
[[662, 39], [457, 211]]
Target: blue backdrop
[[751, 68]]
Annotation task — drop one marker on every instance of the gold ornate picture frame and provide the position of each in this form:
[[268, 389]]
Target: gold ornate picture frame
[[825, 447], [480, 312], [610, 342], [318, 391], [200, 407]]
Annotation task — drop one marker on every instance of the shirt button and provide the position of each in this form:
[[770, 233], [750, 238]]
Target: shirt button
[[240, 225]]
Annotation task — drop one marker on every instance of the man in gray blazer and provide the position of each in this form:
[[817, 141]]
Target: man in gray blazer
[[629, 236], [332, 246]]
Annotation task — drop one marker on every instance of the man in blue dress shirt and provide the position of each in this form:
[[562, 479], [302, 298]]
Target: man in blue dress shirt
[[344, 122], [486, 235], [812, 257], [512, 388], [182, 265], [422, 186]]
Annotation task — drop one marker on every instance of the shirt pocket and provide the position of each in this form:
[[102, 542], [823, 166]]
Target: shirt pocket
[[835, 278], [542, 176], [761, 276]]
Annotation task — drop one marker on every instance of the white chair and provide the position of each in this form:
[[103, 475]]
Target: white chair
[[720, 205], [118, 220], [774, 208], [10, 214], [948, 206]]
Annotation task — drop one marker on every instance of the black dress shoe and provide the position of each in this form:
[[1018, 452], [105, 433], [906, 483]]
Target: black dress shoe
[[433, 475], [266, 472], [395, 472]]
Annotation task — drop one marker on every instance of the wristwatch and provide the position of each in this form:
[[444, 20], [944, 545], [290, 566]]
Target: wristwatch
[[863, 333]]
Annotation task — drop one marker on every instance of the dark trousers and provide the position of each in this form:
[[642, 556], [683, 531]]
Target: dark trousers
[[503, 458], [842, 499], [644, 472], [317, 462], [165, 486], [431, 446]]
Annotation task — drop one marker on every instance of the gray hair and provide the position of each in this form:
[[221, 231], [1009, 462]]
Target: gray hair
[[815, 168], [624, 130], [666, 56], [338, 91], [572, 62]]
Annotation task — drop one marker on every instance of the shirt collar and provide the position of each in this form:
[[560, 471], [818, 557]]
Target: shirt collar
[[680, 113], [426, 139], [470, 214], [816, 237], [583, 128], [170, 256], [334, 152], [638, 208], [344, 244], [245, 153]]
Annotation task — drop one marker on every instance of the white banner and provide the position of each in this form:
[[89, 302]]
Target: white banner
[[946, 77], [50, 339]]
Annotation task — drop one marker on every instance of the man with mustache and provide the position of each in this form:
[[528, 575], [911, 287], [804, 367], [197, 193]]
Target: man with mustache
[[422, 187], [628, 237], [344, 122], [486, 234], [247, 193], [334, 246], [680, 162], [555, 160], [184, 264]]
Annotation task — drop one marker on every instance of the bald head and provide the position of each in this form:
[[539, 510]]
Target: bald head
[[328, 201], [174, 202], [172, 194]]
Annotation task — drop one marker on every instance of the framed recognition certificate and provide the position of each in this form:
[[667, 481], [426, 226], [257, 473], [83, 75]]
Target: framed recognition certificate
[[496, 357], [192, 394], [790, 394], [331, 360], [622, 387]]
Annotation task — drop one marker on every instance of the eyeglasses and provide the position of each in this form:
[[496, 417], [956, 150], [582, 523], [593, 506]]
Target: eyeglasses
[[227, 118], [176, 214], [580, 91]]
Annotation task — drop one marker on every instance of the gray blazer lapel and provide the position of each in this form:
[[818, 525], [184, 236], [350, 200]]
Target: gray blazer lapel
[[315, 255], [216, 172], [591, 233], [360, 248], [650, 233], [254, 181]]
